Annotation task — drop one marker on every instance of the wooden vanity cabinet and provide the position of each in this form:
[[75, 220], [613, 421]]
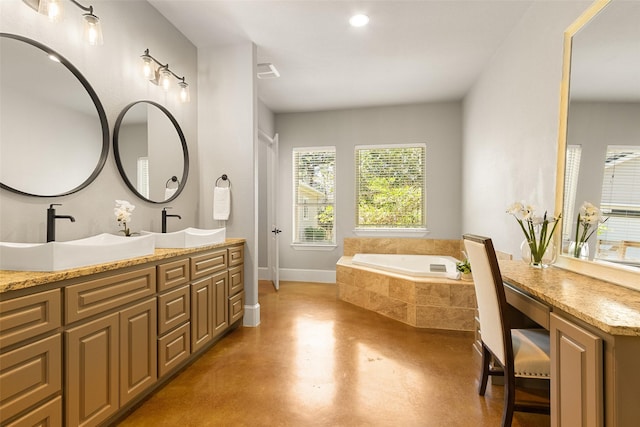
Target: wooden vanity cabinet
[[112, 358], [84, 353]]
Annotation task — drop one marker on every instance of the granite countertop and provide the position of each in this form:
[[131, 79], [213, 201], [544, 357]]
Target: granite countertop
[[611, 308], [12, 280]]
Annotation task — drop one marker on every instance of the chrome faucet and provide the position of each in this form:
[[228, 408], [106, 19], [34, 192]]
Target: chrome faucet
[[165, 215], [51, 221]]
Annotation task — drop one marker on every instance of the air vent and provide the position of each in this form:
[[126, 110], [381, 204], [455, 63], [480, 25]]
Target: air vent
[[267, 71]]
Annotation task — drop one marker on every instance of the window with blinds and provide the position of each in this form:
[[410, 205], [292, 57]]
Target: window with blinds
[[391, 186], [314, 183], [619, 236], [572, 170]]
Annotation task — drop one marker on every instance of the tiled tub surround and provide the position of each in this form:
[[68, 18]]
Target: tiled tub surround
[[422, 302]]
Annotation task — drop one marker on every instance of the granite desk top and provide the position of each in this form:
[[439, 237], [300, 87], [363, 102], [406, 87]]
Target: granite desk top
[[12, 280], [611, 308]]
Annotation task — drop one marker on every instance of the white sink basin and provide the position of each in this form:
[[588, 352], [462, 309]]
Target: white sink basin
[[188, 238], [54, 256]]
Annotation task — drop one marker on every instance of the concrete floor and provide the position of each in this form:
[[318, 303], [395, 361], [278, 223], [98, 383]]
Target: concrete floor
[[318, 361]]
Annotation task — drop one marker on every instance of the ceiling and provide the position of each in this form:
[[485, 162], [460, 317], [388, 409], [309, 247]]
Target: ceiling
[[411, 51]]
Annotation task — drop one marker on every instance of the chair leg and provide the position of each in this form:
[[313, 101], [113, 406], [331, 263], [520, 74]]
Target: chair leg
[[509, 396], [486, 358]]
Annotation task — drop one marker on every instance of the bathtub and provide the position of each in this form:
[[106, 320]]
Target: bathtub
[[411, 265]]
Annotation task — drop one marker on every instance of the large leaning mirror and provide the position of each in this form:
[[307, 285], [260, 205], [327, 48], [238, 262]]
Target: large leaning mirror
[[599, 143], [151, 151], [54, 136]]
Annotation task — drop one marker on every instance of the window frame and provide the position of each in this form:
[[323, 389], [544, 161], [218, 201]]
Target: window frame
[[298, 207], [418, 231]]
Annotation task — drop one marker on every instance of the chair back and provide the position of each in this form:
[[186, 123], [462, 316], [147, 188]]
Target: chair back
[[489, 295]]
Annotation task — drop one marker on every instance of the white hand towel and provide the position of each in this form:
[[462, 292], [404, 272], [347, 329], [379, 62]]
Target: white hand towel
[[221, 203], [169, 192]]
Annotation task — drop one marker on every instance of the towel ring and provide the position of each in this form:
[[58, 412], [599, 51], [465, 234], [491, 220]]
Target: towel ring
[[172, 179], [223, 178]]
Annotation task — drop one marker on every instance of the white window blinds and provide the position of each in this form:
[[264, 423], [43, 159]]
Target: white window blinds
[[572, 170], [314, 195], [391, 186], [621, 204]]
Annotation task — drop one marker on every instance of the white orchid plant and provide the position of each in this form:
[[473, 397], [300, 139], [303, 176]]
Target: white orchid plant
[[123, 211], [589, 217], [535, 228]]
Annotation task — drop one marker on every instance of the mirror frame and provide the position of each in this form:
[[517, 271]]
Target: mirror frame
[[183, 141], [100, 110], [619, 274]]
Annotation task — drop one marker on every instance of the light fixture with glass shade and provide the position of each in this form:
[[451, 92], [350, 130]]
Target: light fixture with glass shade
[[160, 74], [54, 10]]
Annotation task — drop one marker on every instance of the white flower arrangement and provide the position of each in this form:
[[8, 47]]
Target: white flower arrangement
[[123, 211], [535, 228], [589, 216]]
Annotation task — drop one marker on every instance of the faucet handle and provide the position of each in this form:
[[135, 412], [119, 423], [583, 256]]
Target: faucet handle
[[54, 204], [166, 207]]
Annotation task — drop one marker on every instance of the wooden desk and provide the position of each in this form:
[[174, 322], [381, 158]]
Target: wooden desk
[[595, 342]]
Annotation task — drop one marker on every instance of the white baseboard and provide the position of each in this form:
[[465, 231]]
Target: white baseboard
[[304, 275], [251, 315]]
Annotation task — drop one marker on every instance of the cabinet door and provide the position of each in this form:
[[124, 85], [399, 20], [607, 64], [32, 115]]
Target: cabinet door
[[576, 375], [92, 371], [220, 306], [201, 313], [138, 349]]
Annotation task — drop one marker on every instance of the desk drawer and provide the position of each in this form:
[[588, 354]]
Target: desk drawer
[[236, 280], [174, 308], [532, 308]]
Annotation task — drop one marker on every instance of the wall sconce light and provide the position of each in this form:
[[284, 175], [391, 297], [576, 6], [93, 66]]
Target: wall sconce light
[[54, 9], [160, 74]]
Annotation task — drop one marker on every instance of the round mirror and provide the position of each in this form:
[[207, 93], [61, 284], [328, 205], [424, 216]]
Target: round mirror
[[151, 151], [54, 135]]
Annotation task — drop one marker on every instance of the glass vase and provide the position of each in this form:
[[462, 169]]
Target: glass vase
[[548, 257], [579, 250]]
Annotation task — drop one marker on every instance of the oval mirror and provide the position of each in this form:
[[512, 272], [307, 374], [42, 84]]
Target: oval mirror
[[54, 135], [151, 151]]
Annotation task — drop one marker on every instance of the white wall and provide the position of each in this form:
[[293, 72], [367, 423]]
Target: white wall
[[438, 125], [227, 131], [511, 120], [114, 72]]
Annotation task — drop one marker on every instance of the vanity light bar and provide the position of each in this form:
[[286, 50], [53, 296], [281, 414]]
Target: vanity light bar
[[161, 75], [53, 9]]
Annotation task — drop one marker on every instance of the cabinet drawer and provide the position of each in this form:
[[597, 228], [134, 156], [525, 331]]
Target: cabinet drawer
[[173, 349], [49, 415], [236, 307], [173, 274], [30, 374], [96, 296], [236, 255], [236, 280], [532, 308], [173, 309], [208, 263], [26, 317]]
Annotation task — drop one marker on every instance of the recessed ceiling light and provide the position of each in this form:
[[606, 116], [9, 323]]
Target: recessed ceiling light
[[359, 20]]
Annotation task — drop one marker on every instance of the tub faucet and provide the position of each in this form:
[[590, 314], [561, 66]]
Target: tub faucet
[[51, 221], [165, 215]]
